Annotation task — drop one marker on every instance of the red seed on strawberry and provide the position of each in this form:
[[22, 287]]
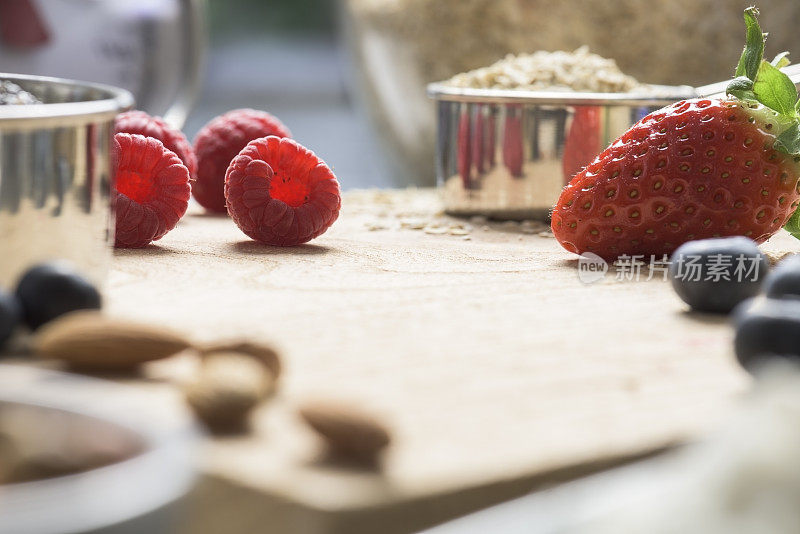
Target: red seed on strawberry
[[281, 193], [152, 190], [219, 142], [697, 169]]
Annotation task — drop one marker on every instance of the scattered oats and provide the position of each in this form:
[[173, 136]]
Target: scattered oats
[[413, 224], [479, 219], [529, 223], [375, 226], [510, 224], [545, 234], [459, 231], [485, 228], [435, 230], [467, 238], [532, 227], [519, 238]]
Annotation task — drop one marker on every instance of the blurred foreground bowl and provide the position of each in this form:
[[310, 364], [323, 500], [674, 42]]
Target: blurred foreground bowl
[[140, 492]]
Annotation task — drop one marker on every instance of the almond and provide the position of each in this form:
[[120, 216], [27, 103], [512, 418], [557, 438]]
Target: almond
[[227, 389], [348, 431], [92, 341]]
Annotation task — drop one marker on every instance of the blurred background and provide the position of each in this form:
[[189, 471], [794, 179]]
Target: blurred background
[[348, 76], [284, 57]]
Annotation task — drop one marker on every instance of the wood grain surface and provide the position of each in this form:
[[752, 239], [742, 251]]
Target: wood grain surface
[[496, 369]]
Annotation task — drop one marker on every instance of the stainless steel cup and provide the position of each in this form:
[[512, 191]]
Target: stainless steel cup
[[55, 175], [507, 154]]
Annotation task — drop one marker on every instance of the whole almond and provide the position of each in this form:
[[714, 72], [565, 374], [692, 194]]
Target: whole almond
[[227, 388], [89, 340], [348, 431], [265, 353]]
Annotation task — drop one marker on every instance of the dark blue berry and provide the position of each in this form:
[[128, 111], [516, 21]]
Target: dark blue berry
[[714, 275], [767, 328], [784, 280], [50, 290], [9, 316]]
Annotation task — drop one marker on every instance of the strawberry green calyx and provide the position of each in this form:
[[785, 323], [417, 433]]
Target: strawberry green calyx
[[753, 53], [763, 81]]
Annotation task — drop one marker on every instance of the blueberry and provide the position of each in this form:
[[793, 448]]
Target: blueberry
[[784, 280], [767, 328], [49, 290], [714, 275], [9, 316]]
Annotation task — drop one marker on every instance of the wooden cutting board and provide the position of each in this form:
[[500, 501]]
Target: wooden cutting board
[[497, 370]]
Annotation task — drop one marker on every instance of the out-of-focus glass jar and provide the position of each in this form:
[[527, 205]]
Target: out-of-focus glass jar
[[399, 46], [153, 48]]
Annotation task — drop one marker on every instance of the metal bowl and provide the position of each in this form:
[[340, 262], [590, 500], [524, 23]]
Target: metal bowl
[[144, 492], [507, 154], [55, 175]]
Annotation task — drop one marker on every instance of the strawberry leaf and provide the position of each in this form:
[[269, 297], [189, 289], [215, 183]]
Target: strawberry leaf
[[781, 60], [793, 224], [775, 89], [742, 88], [788, 142], [753, 52]]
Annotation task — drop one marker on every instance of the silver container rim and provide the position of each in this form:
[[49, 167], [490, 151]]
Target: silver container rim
[[168, 448], [112, 100], [660, 95]]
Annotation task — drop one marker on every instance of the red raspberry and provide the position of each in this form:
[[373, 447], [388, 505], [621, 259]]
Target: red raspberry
[[219, 142], [139, 122], [281, 193], [152, 189]]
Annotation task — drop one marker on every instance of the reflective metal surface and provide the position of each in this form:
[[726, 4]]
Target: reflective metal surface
[[142, 494], [507, 154], [55, 176]]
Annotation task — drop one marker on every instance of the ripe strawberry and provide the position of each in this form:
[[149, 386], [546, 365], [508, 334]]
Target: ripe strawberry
[[696, 169]]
